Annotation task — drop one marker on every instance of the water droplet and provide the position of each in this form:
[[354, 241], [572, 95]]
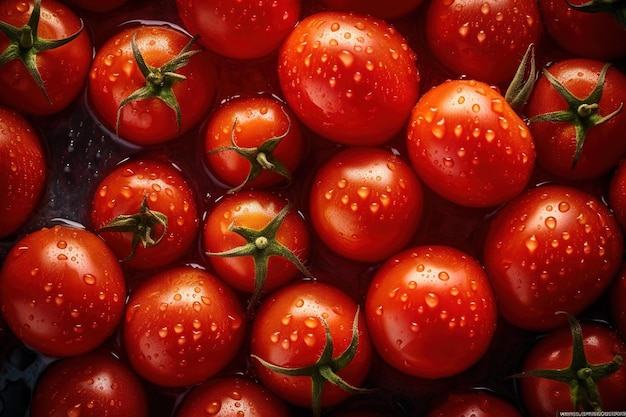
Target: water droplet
[[431, 299]]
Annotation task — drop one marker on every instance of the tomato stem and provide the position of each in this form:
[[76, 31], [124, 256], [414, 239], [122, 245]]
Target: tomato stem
[[520, 88]]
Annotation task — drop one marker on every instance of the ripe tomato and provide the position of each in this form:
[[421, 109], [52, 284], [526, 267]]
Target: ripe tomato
[[43, 72], [62, 291], [358, 196], [474, 403], [146, 212], [91, 385], [385, 10], [183, 325], [575, 117], [617, 194], [160, 100], [468, 145], [240, 30], [554, 248], [22, 170], [232, 396], [351, 78], [432, 310], [310, 326], [253, 141], [482, 40]]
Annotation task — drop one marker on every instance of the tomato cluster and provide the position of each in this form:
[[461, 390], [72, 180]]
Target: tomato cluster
[[312, 207]]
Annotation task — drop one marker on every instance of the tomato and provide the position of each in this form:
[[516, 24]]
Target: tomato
[[317, 329], [617, 194], [243, 30], [358, 196], [554, 248], [62, 291], [256, 241], [468, 145], [158, 100], [482, 40], [99, 6], [617, 301], [475, 403], [350, 78], [393, 9], [90, 385], [23, 170], [574, 366], [232, 396], [43, 72], [432, 310], [182, 326], [146, 212], [575, 114], [253, 141]]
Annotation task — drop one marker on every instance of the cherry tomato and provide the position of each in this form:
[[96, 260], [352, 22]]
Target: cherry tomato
[[432, 310], [351, 78], [468, 145], [41, 74], [475, 403], [241, 30], [62, 291], [158, 100], [554, 248], [183, 325], [387, 10], [91, 385], [146, 212], [253, 141], [358, 196], [23, 170]]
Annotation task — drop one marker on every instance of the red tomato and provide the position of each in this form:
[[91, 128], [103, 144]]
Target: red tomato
[[254, 141], [468, 145], [574, 139], [385, 10], [22, 171], [183, 325], [91, 385], [99, 6], [350, 78], [240, 30], [361, 194], [62, 291], [290, 330], [232, 396], [432, 310], [617, 194], [618, 302], [554, 248], [474, 403], [482, 40], [151, 105], [146, 212]]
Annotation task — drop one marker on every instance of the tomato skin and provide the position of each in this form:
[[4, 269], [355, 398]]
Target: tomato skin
[[358, 196], [232, 396], [168, 191], [335, 69], [554, 248], [471, 38], [23, 170], [242, 30], [388, 10], [94, 384], [555, 141], [62, 291], [149, 121], [182, 326], [544, 397], [295, 310], [476, 403], [468, 145], [617, 194], [432, 310]]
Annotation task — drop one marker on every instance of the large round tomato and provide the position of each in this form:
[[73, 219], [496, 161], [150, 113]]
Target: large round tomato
[[62, 291], [361, 194], [351, 78], [554, 248], [432, 310], [468, 145]]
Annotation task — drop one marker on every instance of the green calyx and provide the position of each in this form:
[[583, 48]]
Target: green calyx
[[580, 375], [261, 245], [159, 81], [25, 44], [325, 369], [617, 8], [523, 81], [142, 226], [581, 112]]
